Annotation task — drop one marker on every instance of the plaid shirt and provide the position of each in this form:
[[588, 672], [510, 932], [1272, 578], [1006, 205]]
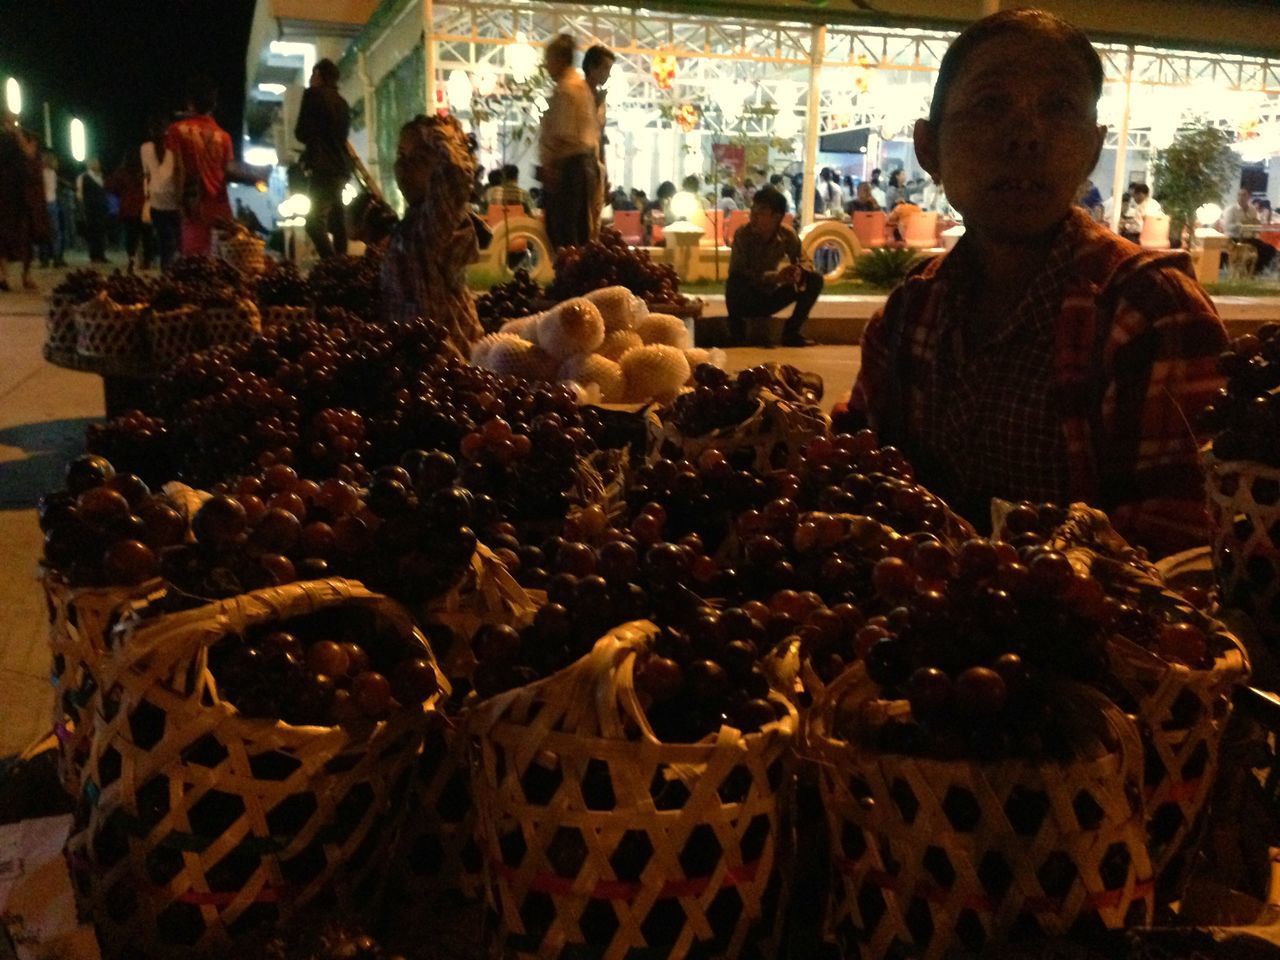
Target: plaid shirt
[[1085, 392]]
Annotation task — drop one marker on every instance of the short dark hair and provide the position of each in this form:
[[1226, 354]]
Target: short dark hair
[[511, 172], [666, 189], [1029, 22], [727, 190], [691, 182], [595, 56], [776, 179], [771, 198], [202, 93], [495, 177], [1139, 187], [563, 47], [328, 71]]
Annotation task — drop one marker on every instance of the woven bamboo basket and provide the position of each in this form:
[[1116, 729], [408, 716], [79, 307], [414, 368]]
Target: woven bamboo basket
[[236, 324], [932, 857], [174, 334], [60, 327], [439, 853], [197, 824], [776, 431], [1244, 504], [104, 328], [286, 316], [80, 621], [246, 253], [1182, 711], [596, 834]]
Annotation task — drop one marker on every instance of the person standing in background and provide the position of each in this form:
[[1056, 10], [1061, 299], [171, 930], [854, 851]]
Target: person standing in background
[[92, 194], [597, 62], [51, 252], [779, 183], [161, 187], [568, 149], [896, 192], [877, 188], [202, 154], [324, 123], [128, 183], [23, 217]]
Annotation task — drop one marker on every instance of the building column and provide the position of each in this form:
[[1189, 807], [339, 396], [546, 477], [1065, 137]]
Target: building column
[[370, 116], [429, 55], [1118, 181], [813, 118]]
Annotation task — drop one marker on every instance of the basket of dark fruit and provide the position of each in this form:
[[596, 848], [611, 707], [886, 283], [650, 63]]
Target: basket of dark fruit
[[609, 262], [634, 801], [77, 287], [1242, 466], [110, 325], [175, 326], [978, 792], [1170, 665], [283, 296], [253, 755], [744, 415]]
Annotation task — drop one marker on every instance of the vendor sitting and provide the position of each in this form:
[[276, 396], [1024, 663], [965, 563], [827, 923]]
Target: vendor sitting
[[1044, 358], [765, 274]]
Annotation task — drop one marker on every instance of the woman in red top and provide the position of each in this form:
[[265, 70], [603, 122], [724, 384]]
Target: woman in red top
[[127, 183], [203, 154]]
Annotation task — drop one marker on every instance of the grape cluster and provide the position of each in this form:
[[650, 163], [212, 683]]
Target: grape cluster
[[335, 666], [282, 286], [349, 283], [169, 294], [609, 262], [205, 271], [127, 289], [506, 301], [137, 439], [106, 528], [1244, 416], [81, 285]]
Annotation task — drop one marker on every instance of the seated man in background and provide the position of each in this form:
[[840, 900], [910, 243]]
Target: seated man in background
[[1237, 218], [765, 274]]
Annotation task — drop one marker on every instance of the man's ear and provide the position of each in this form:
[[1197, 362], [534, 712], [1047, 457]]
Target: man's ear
[[927, 148]]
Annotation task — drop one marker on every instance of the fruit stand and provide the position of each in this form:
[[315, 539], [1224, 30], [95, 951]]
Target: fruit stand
[[584, 647]]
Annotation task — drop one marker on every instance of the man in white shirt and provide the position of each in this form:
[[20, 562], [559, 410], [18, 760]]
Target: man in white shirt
[[51, 251], [1240, 215], [568, 149], [1141, 206]]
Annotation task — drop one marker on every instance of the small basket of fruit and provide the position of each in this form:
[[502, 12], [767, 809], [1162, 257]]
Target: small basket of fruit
[[742, 413], [79, 286], [244, 251], [175, 326], [628, 803], [110, 325], [228, 316], [1169, 664], [252, 755], [953, 830]]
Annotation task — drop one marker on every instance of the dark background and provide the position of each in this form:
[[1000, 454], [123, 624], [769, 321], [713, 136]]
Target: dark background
[[113, 63]]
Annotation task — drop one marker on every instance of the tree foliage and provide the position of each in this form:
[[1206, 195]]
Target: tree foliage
[[1197, 168]]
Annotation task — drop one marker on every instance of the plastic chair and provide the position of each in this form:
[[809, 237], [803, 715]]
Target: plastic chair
[[920, 232], [497, 213], [869, 226], [1155, 232], [737, 219], [628, 223]]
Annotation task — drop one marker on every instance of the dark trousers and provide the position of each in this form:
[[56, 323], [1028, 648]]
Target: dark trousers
[[327, 215], [137, 233], [1266, 253], [568, 205], [745, 301], [166, 227], [95, 235]]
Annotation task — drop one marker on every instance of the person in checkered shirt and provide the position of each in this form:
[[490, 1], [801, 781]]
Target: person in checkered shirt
[[1044, 358]]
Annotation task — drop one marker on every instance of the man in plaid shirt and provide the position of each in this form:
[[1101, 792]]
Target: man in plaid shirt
[[1044, 358]]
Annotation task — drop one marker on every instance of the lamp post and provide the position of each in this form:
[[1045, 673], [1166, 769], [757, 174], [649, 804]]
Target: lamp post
[[13, 96]]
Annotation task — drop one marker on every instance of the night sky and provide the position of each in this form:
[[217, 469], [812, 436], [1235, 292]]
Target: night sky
[[113, 62]]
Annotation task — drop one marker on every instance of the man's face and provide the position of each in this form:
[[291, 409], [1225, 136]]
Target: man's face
[[1245, 198], [765, 219], [411, 170], [556, 65], [1018, 134], [599, 74]]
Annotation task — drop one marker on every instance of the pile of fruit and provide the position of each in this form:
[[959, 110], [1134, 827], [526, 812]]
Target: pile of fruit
[[609, 262], [517, 297], [607, 338], [1244, 415], [282, 286]]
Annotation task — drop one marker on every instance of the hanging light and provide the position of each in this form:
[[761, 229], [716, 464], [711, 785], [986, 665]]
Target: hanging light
[[459, 90], [727, 94], [79, 140], [786, 124], [521, 59], [13, 96], [484, 83], [1208, 214]]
